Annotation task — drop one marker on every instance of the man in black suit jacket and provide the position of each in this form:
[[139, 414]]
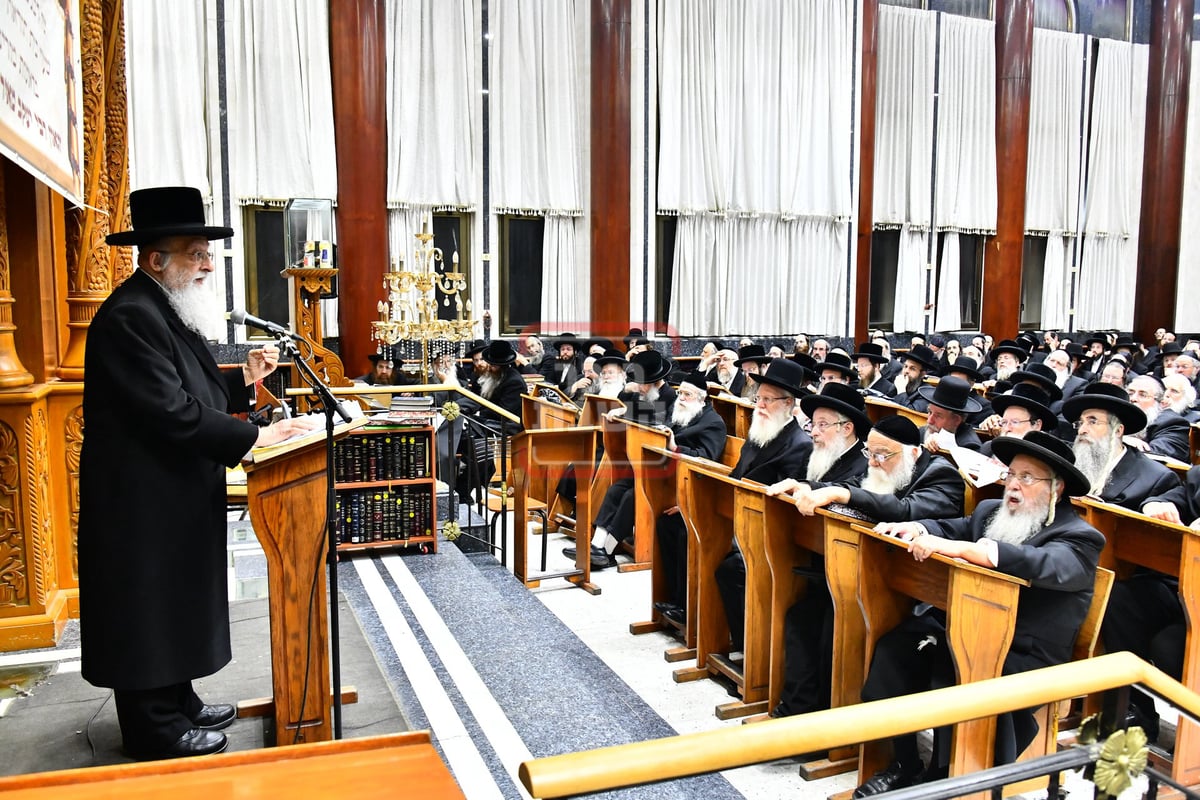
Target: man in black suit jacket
[[1033, 533], [152, 531], [501, 384], [1060, 362], [1166, 433], [871, 362], [776, 448], [726, 373], [950, 403]]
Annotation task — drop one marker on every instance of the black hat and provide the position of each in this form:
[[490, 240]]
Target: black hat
[[1112, 399], [922, 355], [568, 338], [1051, 451], [952, 394], [499, 353], [1096, 338], [1040, 374], [1027, 340], [477, 346], [1126, 340], [611, 356], [167, 211], [1170, 349], [1011, 347], [1075, 350], [871, 351], [697, 379], [1031, 398], [648, 366], [784, 374], [967, 366], [839, 362], [605, 343], [752, 353], [375, 358], [843, 399], [899, 428], [805, 360]]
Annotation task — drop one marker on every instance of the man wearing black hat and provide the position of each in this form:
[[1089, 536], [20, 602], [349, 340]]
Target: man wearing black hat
[[1020, 411], [918, 362], [154, 605], [647, 396], [381, 371], [610, 368], [1007, 357], [776, 448], [501, 385], [1059, 362], [1033, 533], [835, 368], [726, 373], [752, 360], [1103, 416], [1166, 433], [565, 368], [870, 361], [950, 403], [966, 369]]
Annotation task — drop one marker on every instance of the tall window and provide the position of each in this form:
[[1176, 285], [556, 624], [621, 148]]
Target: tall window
[[520, 272], [1033, 266], [885, 254], [266, 289], [970, 278], [450, 235], [664, 267]]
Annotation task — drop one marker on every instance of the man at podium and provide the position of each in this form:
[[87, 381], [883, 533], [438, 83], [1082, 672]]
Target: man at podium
[[154, 612]]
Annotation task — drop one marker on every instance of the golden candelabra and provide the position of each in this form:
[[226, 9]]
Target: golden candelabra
[[408, 318]]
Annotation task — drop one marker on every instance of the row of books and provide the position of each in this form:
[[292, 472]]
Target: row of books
[[385, 515], [394, 455]]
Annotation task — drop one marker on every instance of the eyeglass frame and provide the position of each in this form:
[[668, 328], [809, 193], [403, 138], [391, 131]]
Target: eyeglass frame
[[1008, 423], [197, 257], [824, 426], [1025, 479], [755, 398], [878, 458]]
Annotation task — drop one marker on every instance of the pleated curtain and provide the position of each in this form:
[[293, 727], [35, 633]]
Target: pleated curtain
[[755, 157], [1187, 310]]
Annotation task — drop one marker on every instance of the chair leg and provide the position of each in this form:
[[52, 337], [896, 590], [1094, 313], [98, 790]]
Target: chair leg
[[539, 512]]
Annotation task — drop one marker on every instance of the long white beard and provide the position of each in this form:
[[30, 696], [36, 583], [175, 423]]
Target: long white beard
[[725, 375], [880, 482], [1060, 377], [764, 428], [1180, 406], [611, 388], [1095, 459], [685, 412], [487, 385], [1005, 373], [1151, 414], [651, 394], [1015, 526], [195, 304], [824, 457]]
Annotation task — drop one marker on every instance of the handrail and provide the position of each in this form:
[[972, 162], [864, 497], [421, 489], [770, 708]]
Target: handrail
[[423, 388], [770, 740]]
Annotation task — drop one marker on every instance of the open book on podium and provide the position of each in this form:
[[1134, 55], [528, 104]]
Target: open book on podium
[[259, 454]]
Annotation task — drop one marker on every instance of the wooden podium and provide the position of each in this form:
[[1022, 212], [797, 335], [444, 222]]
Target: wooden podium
[[286, 490]]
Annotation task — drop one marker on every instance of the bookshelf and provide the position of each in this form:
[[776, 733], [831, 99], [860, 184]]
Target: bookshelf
[[384, 476]]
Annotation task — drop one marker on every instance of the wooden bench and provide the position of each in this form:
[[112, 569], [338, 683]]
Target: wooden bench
[[736, 413]]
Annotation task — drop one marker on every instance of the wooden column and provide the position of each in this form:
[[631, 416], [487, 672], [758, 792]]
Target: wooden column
[[1162, 170], [357, 53], [1001, 315], [866, 175], [610, 137]]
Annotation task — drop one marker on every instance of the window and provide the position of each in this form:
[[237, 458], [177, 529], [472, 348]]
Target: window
[[266, 289], [1033, 267], [970, 278], [885, 254], [664, 266], [450, 233], [521, 241]]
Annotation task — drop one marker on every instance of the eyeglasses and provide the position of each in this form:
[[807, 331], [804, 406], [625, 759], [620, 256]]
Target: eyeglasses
[[688, 394], [1008, 423], [1143, 393], [1023, 478], [196, 256], [878, 458], [823, 426], [762, 398], [1091, 422]]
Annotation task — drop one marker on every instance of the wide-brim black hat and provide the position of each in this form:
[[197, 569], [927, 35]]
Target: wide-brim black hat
[[784, 374], [967, 366], [477, 346], [843, 399], [922, 355], [899, 428], [605, 343], [648, 366], [611, 356], [755, 353], [499, 353], [568, 338], [1096, 339], [1011, 347], [952, 394], [1032, 399], [1051, 451], [1106, 397], [837, 362], [1043, 376], [872, 351], [165, 211]]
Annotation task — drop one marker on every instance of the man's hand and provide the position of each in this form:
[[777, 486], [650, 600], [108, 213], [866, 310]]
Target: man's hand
[[582, 383], [992, 424], [1135, 443], [260, 363], [614, 414], [809, 500], [901, 530], [785, 486], [1167, 512], [285, 429]]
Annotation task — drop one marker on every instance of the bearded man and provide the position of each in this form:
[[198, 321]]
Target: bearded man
[[1033, 533], [610, 368], [752, 359], [776, 448], [153, 600], [1179, 395], [1008, 356], [726, 373], [1166, 433], [870, 361], [1102, 416], [918, 362]]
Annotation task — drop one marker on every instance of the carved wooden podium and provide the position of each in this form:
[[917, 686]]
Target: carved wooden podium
[[286, 489]]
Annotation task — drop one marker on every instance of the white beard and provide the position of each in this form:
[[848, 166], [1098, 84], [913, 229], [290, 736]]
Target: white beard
[[1060, 377], [1151, 415], [1015, 526], [685, 412], [487, 385], [196, 306], [824, 457], [1005, 373], [1094, 459], [610, 388], [880, 482], [764, 429], [1180, 406]]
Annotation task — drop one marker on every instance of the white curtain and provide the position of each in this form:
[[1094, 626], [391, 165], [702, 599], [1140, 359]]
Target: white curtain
[[904, 150], [948, 310], [280, 100], [1187, 310], [537, 139], [755, 122], [1055, 277], [1108, 265], [168, 139]]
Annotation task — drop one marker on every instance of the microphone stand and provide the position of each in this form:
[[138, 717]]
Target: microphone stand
[[330, 407]]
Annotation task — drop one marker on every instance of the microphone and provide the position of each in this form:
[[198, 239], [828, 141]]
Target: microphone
[[239, 317]]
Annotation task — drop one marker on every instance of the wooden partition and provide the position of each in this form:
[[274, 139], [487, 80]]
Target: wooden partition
[[537, 412], [653, 486], [736, 413]]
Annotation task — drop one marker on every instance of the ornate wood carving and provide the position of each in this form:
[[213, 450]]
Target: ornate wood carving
[[12, 373], [14, 578], [116, 127], [41, 532], [308, 285], [74, 445]]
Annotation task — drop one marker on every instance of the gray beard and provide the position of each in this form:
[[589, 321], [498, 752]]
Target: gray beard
[[487, 385], [764, 430], [651, 394], [880, 482], [195, 305], [1015, 527], [1092, 459], [685, 413], [823, 458], [1180, 406], [1151, 415], [610, 388], [1005, 374]]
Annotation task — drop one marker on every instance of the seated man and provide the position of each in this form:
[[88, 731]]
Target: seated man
[[1008, 356], [502, 385], [870, 361], [726, 374], [776, 448], [610, 368], [1180, 396], [950, 403], [918, 362], [647, 396], [752, 358], [1024, 409], [966, 368], [1033, 533], [1102, 416], [1166, 433], [563, 369], [381, 371]]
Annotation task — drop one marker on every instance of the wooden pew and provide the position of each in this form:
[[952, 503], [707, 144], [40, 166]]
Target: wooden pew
[[1133, 540], [653, 486], [537, 455], [877, 409], [981, 606], [595, 407], [537, 412], [736, 413]]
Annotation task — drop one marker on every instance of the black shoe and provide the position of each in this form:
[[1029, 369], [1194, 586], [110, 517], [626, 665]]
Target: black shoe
[[676, 615], [602, 560], [1136, 717], [896, 776], [779, 712], [570, 552], [215, 718], [196, 742]]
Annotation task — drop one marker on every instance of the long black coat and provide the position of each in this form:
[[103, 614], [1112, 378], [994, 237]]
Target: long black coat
[[936, 491], [785, 456], [158, 435], [1136, 478]]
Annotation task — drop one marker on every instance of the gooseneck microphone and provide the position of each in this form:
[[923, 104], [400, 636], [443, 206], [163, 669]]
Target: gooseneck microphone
[[239, 317]]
